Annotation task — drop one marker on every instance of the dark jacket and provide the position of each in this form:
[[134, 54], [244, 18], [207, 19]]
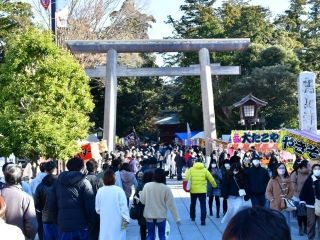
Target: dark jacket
[[257, 180], [45, 199], [179, 161], [229, 184], [76, 202], [309, 190], [96, 182]]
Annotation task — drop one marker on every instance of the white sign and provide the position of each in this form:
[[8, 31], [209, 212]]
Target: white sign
[[307, 102]]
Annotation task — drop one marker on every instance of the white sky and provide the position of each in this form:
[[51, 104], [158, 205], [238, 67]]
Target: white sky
[[160, 9]]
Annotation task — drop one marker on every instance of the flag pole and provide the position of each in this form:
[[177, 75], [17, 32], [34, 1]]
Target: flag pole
[[53, 19]]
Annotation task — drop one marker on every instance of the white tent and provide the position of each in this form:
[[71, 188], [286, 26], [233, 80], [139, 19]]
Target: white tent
[[199, 135]]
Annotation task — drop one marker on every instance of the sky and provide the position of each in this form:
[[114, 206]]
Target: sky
[[160, 9]]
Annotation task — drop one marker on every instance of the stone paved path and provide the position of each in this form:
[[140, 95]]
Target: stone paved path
[[189, 230]]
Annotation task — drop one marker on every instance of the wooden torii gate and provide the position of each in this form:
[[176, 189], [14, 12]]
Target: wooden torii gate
[[205, 70]]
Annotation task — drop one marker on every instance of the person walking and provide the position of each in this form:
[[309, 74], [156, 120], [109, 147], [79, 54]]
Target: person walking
[[298, 178], [309, 192], [8, 231], [157, 198], [45, 202], [128, 180], [234, 189], [199, 176], [279, 187], [111, 205], [95, 182], [75, 202], [225, 168], [20, 205], [147, 177], [180, 163], [214, 193], [257, 179]]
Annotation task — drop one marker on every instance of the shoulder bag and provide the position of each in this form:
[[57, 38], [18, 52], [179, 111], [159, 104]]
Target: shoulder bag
[[286, 203], [316, 201]]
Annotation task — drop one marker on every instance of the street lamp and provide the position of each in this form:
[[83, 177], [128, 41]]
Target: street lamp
[[249, 107], [100, 133]]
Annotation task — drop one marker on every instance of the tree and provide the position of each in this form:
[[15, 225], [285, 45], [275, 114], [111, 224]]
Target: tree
[[13, 16], [44, 98], [275, 84], [239, 19]]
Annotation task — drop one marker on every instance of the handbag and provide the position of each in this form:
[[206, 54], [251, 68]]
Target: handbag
[[186, 185], [316, 202], [286, 204], [241, 191], [136, 210], [301, 210]]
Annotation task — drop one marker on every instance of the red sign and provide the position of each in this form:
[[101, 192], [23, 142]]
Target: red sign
[[45, 3], [86, 153]]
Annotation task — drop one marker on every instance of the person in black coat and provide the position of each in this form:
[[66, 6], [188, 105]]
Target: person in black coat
[[310, 191], [179, 163], [96, 183], [257, 180], [45, 201], [147, 177], [76, 202], [233, 181]]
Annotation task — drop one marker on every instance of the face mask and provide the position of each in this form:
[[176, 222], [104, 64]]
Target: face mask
[[256, 162], [213, 165], [235, 172], [227, 166], [281, 171], [316, 173]]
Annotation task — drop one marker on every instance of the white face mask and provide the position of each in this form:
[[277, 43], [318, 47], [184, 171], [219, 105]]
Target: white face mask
[[281, 171], [256, 162], [316, 172], [235, 172], [227, 166], [213, 165]]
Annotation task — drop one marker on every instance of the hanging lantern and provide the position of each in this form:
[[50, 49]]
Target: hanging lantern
[[45, 3]]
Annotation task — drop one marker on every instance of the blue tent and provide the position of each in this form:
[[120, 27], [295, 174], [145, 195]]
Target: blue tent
[[184, 135]]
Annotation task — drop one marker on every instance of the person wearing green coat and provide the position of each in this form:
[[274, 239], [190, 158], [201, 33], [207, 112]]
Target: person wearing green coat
[[199, 176]]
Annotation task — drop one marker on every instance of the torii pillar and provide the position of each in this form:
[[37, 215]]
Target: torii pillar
[[202, 46]]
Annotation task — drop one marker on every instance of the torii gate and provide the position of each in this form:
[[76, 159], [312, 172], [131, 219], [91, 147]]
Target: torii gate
[[205, 70]]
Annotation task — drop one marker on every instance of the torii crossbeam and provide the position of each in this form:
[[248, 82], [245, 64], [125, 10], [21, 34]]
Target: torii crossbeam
[[205, 69]]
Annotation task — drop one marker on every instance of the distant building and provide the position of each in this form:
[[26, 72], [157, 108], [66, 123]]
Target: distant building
[[167, 124]]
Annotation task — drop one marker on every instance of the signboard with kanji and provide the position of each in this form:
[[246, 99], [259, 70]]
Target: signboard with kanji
[[86, 153], [307, 102], [255, 136], [299, 145]]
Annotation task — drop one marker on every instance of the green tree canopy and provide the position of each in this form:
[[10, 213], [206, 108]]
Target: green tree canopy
[[44, 98]]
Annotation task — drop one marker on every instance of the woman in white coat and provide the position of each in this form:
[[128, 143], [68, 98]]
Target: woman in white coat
[[111, 205]]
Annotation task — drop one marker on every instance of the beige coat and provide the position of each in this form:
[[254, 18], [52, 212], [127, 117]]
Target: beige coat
[[274, 192], [298, 178]]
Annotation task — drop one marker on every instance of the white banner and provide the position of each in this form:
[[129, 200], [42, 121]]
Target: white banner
[[62, 13]]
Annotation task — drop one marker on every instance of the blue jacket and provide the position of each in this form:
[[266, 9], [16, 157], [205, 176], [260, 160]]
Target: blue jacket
[[76, 202]]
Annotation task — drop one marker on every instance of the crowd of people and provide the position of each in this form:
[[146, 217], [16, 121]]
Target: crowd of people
[[84, 203]]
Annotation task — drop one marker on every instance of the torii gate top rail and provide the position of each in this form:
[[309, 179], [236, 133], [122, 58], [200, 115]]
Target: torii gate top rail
[[204, 69], [162, 45]]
